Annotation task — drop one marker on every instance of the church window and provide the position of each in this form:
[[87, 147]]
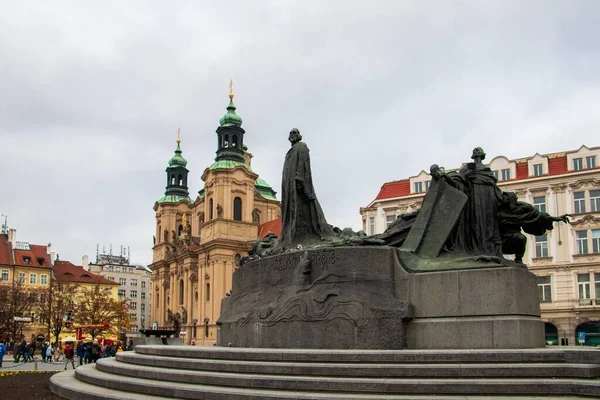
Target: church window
[[226, 141], [234, 141], [210, 209], [208, 292], [173, 179], [181, 291], [237, 209], [180, 178]]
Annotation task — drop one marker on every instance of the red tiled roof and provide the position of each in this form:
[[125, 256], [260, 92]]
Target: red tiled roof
[[37, 257], [273, 226], [522, 170], [40, 252], [67, 271], [394, 189], [558, 165], [5, 250]]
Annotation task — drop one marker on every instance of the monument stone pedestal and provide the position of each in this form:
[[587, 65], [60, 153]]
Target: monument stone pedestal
[[489, 308], [363, 298]]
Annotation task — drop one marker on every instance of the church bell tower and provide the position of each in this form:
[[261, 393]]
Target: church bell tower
[[230, 134]]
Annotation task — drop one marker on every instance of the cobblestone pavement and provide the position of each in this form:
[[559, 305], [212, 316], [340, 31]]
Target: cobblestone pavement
[[8, 364]]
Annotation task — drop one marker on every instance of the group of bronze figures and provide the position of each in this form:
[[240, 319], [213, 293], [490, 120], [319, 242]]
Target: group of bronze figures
[[464, 212]]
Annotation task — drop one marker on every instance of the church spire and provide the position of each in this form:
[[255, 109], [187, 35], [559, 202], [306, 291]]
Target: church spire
[[230, 134], [177, 173]]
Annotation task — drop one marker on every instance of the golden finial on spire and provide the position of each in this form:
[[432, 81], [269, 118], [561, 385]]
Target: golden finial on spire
[[178, 135], [231, 88]]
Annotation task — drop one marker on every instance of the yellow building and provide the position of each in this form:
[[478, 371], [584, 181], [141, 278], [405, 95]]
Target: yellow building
[[28, 265], [69, 272], [566, 259], [198, 243]]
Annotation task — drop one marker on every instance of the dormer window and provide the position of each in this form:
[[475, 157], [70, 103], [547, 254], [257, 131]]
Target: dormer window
[[538, 169], [27, 260], [41, 261]]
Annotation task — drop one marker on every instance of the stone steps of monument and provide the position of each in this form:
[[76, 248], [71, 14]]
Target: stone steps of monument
[[87, 382], [480, 356], [66, 385], [373, 385], [388, 370]]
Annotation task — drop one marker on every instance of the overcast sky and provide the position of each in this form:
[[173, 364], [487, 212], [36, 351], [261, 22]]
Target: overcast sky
[[92, 94]]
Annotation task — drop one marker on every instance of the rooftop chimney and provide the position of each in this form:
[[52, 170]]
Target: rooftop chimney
[[12, 237]]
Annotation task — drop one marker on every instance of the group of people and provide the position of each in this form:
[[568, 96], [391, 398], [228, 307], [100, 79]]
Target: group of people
[[86, 353]]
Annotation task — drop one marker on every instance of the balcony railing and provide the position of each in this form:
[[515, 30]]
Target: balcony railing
[[589, 302]]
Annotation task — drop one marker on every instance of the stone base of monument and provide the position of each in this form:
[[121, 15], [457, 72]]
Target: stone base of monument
[[364, 298], [487, 308], [217, 373]]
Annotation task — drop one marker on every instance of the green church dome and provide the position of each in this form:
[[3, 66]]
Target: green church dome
[[177, 158], [231, 118]]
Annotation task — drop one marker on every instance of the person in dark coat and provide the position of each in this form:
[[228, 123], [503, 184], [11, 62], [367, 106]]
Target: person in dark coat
[[80, 352]]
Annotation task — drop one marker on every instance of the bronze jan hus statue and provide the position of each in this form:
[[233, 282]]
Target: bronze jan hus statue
[[465, 213], [302, 217]]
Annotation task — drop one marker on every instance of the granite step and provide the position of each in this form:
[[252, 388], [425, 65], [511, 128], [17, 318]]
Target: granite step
[[431, 386], [551, 355], [555, 370], [91, 383], [65, 384]]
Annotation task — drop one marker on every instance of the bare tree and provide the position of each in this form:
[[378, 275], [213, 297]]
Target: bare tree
[[17, 303], [59, 301], [96, 307]]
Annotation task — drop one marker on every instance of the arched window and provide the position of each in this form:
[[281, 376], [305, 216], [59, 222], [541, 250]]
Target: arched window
[[157, 301], [181, 291], [237, 209], [208, 292], [226, 142], [158, 234], [173, 179], [234, 141], [210, 209], [180, 178]]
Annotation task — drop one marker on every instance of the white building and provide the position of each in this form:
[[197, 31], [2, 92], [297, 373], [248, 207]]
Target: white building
[[134, 285]]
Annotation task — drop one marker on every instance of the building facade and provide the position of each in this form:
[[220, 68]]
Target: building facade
[[566, 260], [29, 265], [135, 285], [198, 242]]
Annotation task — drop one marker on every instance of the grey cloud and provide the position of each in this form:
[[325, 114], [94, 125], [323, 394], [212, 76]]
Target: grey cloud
[[91, 95]]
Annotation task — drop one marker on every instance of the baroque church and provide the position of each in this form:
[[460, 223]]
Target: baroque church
[[198, 243]]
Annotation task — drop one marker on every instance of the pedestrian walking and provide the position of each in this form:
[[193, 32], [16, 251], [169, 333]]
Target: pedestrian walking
[[49, 353], [43, 351], [56, 353], [69, 355], [80, 352], [2, 351]]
